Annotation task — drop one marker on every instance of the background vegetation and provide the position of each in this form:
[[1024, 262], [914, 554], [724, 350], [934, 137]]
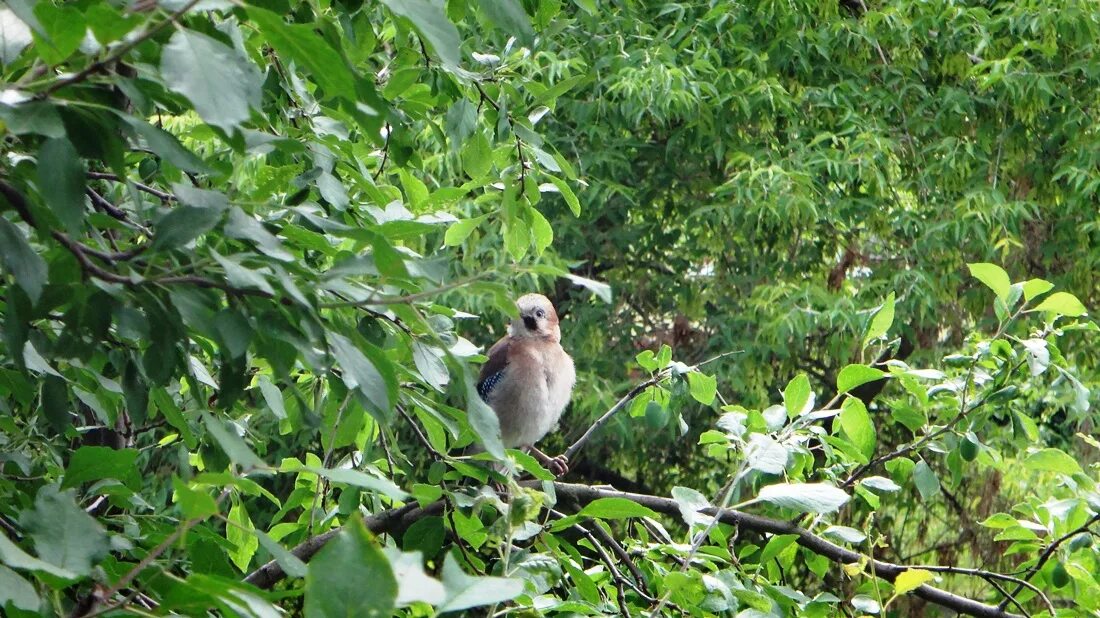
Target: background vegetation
[[828, 264]]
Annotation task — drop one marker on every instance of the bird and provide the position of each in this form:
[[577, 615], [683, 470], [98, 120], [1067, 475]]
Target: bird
[[529, 378]]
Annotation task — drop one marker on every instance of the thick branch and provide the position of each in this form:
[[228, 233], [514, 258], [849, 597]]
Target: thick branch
[[397, 520], [393, 522]]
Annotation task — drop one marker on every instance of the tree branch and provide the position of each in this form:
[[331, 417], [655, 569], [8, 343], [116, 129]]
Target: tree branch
[[1047, 553], [393, 522], [397, 520]]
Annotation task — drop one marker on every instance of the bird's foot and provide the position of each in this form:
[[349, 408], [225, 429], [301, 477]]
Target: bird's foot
[[558, 466]]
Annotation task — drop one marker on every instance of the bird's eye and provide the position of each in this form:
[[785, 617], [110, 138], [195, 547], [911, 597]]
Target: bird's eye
[[540, 314]]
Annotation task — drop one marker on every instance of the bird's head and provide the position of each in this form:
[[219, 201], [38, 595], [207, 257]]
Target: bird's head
[[537, 318]]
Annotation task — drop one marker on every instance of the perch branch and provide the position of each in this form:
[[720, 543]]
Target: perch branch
[[396, 520]]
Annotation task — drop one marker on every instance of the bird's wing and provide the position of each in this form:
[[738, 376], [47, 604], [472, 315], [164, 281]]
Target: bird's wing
[[493, 369]]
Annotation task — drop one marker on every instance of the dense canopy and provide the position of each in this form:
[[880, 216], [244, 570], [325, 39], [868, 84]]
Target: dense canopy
[[825, 270]]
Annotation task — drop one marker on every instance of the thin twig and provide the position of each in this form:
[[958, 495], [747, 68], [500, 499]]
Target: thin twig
[[1048, 552], [630, 396], [605, 558], [144, 563], [989, 575], [408, 298], [162, 195], [119, 52], [385, 153]]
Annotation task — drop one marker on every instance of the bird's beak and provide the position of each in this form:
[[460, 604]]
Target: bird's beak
[[530, 323]]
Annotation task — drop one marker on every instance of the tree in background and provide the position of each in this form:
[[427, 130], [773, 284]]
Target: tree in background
[[824, 269]]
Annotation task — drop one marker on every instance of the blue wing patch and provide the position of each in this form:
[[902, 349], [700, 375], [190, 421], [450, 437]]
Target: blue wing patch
[[486, 386]]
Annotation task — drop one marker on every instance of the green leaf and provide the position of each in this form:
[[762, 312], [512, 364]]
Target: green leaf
[[567, 193], [359, 372], [1062, 303], [63, 534], [993, 276], [233, 445], [61, 181], [338, 573], [615, 508], [589, 6], [273, 397], [1052, 460], [240, 532], [855, 422], [509, 16], [530, 465], [356, 478], [221, 84], [690, 502], [600, 289], [911, 579], [431, 22], [483, 420], [1036, 287], [541, 231], [167, 146], [464, 591], [413, 584], [416, 192], [765, 454], [201, 213], [243, 226], [477, 156], [703, 387], [517, 239], [65, 27], [776, 545], [852, 376], [880, 483], [845, 534], [291, 564], [33, 117], [300, 43], [109, 24], [23, 262], [15, 36], [459, 231], [15, 590], [94, 463], [193, 503], [881, 321], [928, 484], [797, 397], [16, 558], [805, 497]]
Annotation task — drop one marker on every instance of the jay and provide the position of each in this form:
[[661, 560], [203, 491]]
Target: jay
[[529, 379]]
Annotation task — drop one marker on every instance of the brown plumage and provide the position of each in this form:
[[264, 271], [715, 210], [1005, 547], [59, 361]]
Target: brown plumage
[[529, 378]]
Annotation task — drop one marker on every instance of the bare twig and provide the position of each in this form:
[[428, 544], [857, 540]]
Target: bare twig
[[162, 195], [622, 403]]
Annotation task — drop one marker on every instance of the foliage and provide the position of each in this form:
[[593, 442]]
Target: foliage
[[252, 251]]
